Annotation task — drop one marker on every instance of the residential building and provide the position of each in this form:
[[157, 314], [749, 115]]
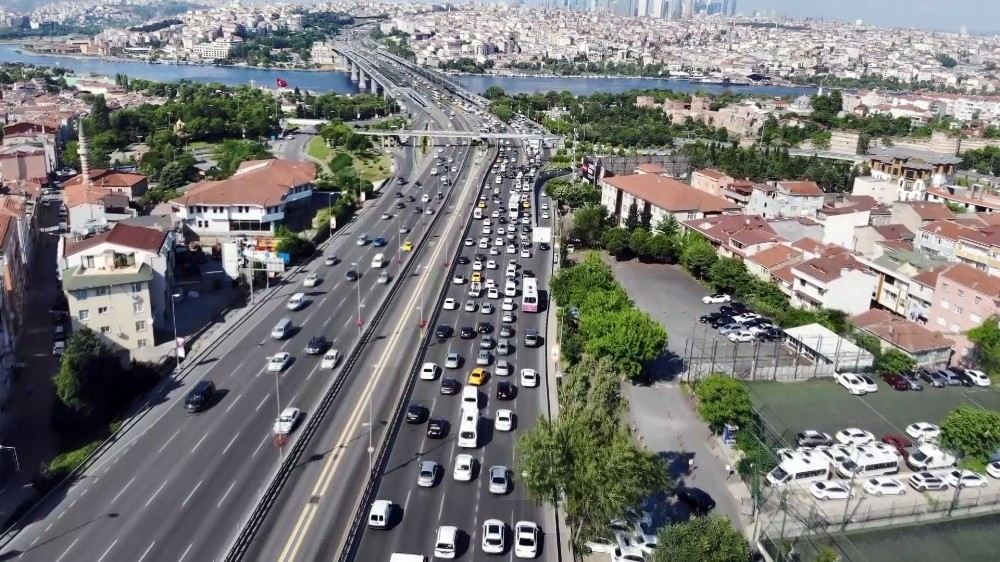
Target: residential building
[[836, 281], [930, 349], [735, 236], [980, 248], [738, 192], [884, 191], [24, 162], [130, 184], [973, 199], [912, 170], [660, 196], [785, 199], [963, 298], [895, 270], [914, 215], [16, 243], [840, 221], [765, 263], [710, 181], [922, 294], [867, 238], [113, 300], [251, 202], [92, 209]]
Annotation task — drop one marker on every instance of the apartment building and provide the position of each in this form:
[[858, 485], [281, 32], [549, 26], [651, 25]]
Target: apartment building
[[915, 215], [785, 199], [24, 162], [869, 239], [913, 171], [972, 200], [963, 298], [837, 281], [895, 270], [735, 236], [765, 263], [980, 248], [710, 181], [253, 201], [929, 349], [660, 196], [130, 184]]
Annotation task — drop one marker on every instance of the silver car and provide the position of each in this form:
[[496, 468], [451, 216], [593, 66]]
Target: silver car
[[427, 476], [484, 358], [452, 361], [499, 482]]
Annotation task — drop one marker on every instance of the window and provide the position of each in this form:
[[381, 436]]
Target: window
[[958, 309], [976, 319], [979, 300], [105, 329], [945, 305], [88, 261], [140, 326], [142, 343], [80, 295], [136, 307], [102, 310], [136, 287], [83, 314], [961, 292], [101, 291]]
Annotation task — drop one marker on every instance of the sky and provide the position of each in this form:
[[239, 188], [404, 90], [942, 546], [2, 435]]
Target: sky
[[945, 15]]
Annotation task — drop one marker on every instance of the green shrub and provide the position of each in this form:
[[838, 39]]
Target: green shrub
[[63, 464]]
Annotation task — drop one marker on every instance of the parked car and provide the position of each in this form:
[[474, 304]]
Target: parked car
[[813, 438], [977, 377], [852, 383], [965, 479], [854, 436], [898, 442], [923, 431], [717, 298], [955, 376], [896, 381], [933, 378], [698, 501], [869, 383], [884, 486], [830, 490], [913, 378], [926, 481]]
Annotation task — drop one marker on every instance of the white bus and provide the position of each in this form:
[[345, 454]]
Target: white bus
[[513, 207], [468, 430], [799, 469], [529, 295], [869, 461]]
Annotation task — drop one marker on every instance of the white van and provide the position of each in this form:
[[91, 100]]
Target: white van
[[477, 214], [282, 329], [510, 289], [799, 469], [468, 430], [297, 301], [868, 461], [378, 261], [929, 456], [400, 557], [470, 397], [378, 515], [446, 543]]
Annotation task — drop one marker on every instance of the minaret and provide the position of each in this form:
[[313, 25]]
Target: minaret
[[84, 152]]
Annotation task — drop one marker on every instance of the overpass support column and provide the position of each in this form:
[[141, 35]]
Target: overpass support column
[[355, 72], [379, 91]]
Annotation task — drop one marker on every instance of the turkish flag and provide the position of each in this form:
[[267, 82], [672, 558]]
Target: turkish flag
[[282, 83]]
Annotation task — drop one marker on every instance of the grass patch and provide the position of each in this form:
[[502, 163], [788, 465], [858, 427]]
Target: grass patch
[[373, 170], [317, 149], [198, 145], [63, 464]]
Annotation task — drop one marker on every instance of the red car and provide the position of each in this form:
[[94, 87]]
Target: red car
[[896, 381], [899, 442]]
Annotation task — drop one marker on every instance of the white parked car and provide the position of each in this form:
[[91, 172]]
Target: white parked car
[[529, 378], [884, 486], [487, 308], [470, 306], [979, 378], [923, 431], [604, 545], [993, 469], [330, 360], [311, 280], [278, 362], [854, 436], [741, 336], [526, 539], [285, 423], [464, 467], [852, 383], [627, 554], [504, 420], [830, 490], [493, 536], [526, 254], [428, 372], [458, 280], [492, 293], [491, 264], [450, 304], [965, 479], [511, 249], [869, 383], [717, 298], [508, 304]]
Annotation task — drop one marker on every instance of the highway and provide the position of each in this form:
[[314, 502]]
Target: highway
[[177, 486]]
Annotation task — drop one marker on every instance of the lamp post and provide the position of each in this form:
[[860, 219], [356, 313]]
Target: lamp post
[[173, 319]]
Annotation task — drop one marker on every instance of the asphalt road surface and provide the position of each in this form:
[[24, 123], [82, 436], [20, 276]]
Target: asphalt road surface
[[177, 486]]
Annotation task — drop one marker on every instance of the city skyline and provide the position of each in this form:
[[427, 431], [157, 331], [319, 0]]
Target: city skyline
[[976, 16]]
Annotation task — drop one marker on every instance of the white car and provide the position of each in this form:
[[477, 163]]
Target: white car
[[508, 304], [526, 254], [491, 264], [58, 348], [979, 378], [487, 308], [869, 383], [311, 280], [483, 243], [852, 383], [830, 490], [464, 467], [545, 214], [470, 306], [526, 539], [494, 251], [923, 431], [529, 378], [477, 265], [296, 301], [428, 372], [504, 420], [717, 298], [854, 436], [603, 545], [427, 474], [450, 304], [508, 317], [884, 487], [285, 423], [493, 536], [545, 206], [458, 280], [470, 242], [492, 293], [741, 336], [627, 554], [964, 479], [993, 469], [511, 249], [330, 360], [278, 362]]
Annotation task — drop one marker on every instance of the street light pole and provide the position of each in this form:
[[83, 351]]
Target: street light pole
[[173, 318], [358, 270]]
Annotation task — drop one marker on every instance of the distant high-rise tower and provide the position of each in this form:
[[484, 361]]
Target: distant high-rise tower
[[732, 7], [687, 9]]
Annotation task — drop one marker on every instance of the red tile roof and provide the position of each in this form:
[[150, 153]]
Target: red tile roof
[[929, 278], [828, 267], [137, 237], [714, 174], [803, 188], [774, 256], [930, 211], [946, 229], [108, 178], [973, 279], [902, 333], [260, 182], [669, 194], [894, 231]]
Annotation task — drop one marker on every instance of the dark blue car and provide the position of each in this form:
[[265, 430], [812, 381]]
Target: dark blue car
[[378, 242]]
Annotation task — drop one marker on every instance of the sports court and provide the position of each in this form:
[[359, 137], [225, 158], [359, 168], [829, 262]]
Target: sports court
[[821, 404]]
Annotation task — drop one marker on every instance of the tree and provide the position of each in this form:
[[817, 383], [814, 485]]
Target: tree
[[86, 374], [646, 219], [729, 275], [589, 224], [827, 554], [571, 286], [705, 539], [615, 241], [972, 432], [723, 400], [893, 361], [630, 337], [698, 256], [638, 242], [986, 336], [173, 176], [494, 92], [632, 219], [661, 247], [669, 226]]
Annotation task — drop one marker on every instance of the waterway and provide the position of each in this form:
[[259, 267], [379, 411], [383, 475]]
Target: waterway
[[340, 82]]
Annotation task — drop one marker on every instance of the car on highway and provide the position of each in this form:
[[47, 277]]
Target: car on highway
[[443, 331], [830, 490], [330, 359], [505, 390], [506, 331], [470, 306], [477, 377], [529, 378], [503, 368], [923, 431], [428, 371], [316, 345], [277, 362], [458, 280], [361, 240], [854, 436], [407, 246], [464, 468], [508, 317], [526, 539], [453, 360], [351, 275], [450, 386], [486, 308], [287, 420], [504, 420], [436, 428], [200, 396], [493, 541], [964, 479], [331, 260], [504, 347], [450, 304], [884, 486], [311, 280], [926, 482], [383, 278], [386, 216], [296, 301], [416, 414], [499, 480], [427, 474], [487, 342], [717, 298]]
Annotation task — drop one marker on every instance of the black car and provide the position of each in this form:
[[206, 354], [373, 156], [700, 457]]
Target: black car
[[444, 331], [378, 242], [480, 257], [527, 273], [467, 332], [958, 374], [437, 428], [705, 318], [505, 391], [544, 246], [449, 386], [462, 260], [398, 195], [400, 205], [351, 275], [418, 209], [415, 413], [484, 327], [506, 331], [697, 500], [771, 334], [410, 198], [401, 181], [200, 396], [316, 345], [503, 220], [733, 308], [720, 321]]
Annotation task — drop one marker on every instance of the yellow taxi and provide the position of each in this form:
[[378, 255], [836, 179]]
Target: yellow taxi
[[526, 204], [407, 246], [477, 276], [477, 377], [482, 204]]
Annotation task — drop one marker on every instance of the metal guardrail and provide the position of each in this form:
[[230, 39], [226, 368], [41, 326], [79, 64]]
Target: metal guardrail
[[257, 517], [354, 534]]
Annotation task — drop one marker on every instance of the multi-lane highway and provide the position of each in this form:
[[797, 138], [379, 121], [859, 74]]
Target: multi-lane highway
[[178, 486]]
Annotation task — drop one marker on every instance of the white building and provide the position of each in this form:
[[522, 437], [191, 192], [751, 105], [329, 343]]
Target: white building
[[836, 281], [785, 199], [216, 50]]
